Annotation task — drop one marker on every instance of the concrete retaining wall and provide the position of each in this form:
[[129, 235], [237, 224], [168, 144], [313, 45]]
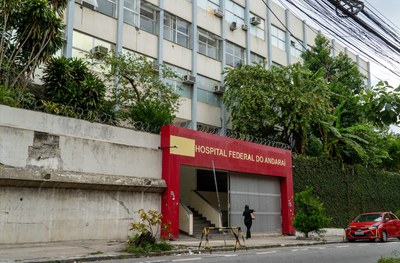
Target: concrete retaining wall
[[68, 179]]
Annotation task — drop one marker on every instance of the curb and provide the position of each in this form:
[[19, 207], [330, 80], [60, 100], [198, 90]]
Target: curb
[[172, 252]]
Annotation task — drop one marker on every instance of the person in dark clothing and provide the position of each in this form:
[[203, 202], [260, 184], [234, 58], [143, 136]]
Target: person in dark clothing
[[248, 220]]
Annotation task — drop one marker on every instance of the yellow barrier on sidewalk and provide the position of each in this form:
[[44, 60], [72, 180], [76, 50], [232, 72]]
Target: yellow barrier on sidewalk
[[235, 231]]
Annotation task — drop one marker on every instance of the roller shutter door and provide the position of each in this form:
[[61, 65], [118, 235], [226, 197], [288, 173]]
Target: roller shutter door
[[261, 193]]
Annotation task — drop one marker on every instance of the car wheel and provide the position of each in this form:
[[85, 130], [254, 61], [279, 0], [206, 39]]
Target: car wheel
[[384, 236], [350, 240]]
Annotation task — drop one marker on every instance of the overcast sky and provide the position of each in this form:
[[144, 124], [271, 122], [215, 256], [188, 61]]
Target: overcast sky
[[390, 11], [388, 8]]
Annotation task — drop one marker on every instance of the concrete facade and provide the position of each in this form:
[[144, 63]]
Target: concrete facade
[[194, 39], [67, 179]]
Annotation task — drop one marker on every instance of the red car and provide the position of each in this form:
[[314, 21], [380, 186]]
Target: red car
[[372, 226]]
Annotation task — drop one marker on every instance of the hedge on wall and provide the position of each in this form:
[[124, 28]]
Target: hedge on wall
[[346, 191]]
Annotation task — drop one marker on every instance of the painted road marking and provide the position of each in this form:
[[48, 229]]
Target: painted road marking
[[267, 252], [186, 259]]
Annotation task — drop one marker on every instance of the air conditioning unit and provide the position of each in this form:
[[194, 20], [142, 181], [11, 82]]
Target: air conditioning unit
[[245, 27], [98, 51], [189, 79], [255, 20], [218, 13], [233, 26], [219, 89]]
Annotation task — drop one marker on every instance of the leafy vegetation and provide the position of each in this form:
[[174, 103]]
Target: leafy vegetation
[[140, 92], [389, 260], [146, 232], [70, 85], [30, 33], [346, 191], [322, 108], [310, 216]]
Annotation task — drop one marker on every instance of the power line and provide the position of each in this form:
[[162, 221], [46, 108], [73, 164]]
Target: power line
[[370, 35]]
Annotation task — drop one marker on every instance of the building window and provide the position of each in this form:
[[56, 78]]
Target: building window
[[258, 30], [184, 90], [234, 13], [209, 44], [148, 18], [296, 47], [177, 30], [83, 45], [107, 7], [208, 4], [254, 58], [205, 91], [278, 37], [234, 54], [131, 12]]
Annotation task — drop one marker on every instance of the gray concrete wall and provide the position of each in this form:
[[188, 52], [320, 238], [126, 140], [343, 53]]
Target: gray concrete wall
[[50, 214], [68, 179], [77, 145]]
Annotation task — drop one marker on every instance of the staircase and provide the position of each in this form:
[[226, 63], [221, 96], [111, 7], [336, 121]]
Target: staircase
[[199, 222]]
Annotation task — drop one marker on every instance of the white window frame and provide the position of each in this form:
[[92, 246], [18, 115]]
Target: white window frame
[[112, 12], [297, 49], [175, 24], [210, 38], [258, 30], [234, 13], [135, 12], [144, 20], [237, 54], [278, 38]]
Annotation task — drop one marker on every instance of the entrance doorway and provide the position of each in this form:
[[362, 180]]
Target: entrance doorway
[[235, 190]]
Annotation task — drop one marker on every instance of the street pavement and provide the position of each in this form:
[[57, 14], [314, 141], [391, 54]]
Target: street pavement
[[92, 250]]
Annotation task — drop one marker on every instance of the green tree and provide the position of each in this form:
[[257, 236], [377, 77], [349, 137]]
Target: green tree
[[69, 82], [359, 114], [380, 105], [279, 104], [140, 92], [310, 215], [30, 32]]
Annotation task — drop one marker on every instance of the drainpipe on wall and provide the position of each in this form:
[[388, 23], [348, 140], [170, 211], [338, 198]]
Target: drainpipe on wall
[[223, 64], [69, 30], [194, 64]]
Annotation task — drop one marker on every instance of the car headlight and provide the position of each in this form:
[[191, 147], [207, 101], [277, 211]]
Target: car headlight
[[372, 227]]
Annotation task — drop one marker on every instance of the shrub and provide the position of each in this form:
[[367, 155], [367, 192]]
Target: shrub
[[310, 213], [155, 114], [69, 82], [16, 97], [389, 260], [145, 233]]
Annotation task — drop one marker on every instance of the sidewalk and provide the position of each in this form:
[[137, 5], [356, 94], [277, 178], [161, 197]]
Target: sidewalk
[[72, 251]]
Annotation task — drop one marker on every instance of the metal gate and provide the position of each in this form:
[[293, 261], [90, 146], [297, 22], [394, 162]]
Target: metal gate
[[261, 193]]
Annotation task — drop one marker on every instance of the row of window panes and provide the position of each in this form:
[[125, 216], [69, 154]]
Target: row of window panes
[[234, 54], [278, 37], [208, 4], [109, 8], [83, 43], [209, 44], [296, 47], [234, 13]]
